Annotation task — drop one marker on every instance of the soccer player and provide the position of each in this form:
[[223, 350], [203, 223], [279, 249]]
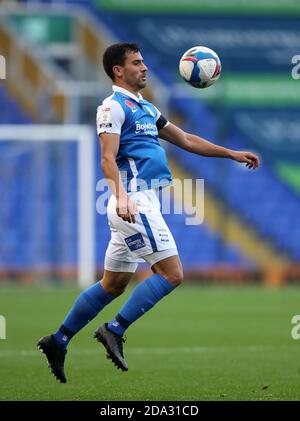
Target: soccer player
[[136, 167]]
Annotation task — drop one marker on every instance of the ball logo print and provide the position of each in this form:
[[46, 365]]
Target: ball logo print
[[200, 67]]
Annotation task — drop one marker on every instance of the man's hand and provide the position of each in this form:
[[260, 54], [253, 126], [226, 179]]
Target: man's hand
[[251, 160], [126, 209]]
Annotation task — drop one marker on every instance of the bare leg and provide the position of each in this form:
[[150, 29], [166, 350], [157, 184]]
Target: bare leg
[[171, 269], [115, 283]]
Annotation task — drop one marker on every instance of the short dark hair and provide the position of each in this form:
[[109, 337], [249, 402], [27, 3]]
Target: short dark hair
[[115, 56]]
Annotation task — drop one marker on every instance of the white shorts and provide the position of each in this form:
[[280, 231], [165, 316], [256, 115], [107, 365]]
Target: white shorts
[[148, 239]]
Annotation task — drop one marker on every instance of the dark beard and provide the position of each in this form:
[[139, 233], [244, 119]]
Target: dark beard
[[142, 85]]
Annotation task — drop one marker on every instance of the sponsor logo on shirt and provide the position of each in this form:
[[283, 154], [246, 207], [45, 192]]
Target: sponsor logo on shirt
[[145, 128]]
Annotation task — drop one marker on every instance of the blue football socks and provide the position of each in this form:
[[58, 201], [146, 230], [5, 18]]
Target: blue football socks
[[85, 308], [143, 298]]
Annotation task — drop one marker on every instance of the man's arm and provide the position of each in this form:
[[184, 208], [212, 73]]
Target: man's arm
[[200, 146], [125, 208]]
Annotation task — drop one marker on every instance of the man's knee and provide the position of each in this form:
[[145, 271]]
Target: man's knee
[[175, 278], [114, 289], [115, 283], [171, 269]]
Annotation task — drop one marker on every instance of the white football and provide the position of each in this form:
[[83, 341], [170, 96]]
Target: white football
[[200, 67]]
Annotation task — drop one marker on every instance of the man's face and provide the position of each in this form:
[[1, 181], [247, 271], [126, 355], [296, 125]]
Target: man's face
[[133, 72]]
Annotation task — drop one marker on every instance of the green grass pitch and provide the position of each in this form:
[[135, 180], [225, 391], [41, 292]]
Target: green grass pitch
[[199, 343]]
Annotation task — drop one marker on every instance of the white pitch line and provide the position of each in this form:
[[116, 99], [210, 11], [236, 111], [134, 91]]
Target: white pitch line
[[151, 350]]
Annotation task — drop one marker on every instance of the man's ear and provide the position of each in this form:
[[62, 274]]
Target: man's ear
[[117, 70]]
